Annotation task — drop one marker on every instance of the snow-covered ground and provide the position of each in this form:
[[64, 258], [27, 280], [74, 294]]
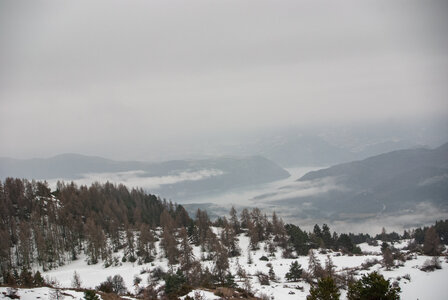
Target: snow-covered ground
[[204, 294], [43, 293], [422, 285]]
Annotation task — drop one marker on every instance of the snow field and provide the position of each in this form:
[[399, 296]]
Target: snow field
[[422, 285], [42, 293]]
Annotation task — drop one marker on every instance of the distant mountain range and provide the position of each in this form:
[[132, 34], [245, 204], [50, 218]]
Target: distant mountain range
[[177, 179], [396, 181], [316, 151]]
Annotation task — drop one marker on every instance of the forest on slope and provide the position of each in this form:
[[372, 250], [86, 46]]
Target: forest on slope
[[109, 224]]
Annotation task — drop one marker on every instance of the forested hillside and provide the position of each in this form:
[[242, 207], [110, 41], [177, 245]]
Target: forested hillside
[[108, 226], [53, 227]]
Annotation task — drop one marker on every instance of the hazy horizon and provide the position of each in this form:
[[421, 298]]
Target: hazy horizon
[[159, 80]]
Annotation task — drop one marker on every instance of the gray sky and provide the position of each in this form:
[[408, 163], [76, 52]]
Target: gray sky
[[131, 79]]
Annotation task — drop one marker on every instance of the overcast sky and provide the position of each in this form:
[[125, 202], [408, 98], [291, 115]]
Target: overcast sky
[[129, 79]]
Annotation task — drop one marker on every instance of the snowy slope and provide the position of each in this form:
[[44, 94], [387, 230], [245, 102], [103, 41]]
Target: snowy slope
[[421, 285], [43, 293]]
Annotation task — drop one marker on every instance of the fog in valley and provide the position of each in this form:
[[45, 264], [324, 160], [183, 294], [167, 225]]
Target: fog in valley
[[324, 112]]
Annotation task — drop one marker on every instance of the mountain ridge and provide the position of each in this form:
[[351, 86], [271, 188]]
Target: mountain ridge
[[393, 182], [176, 178]]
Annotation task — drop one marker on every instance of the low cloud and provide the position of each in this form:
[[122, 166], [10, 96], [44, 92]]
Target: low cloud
[[434, 180], [301, 189], [137, 178], [422, 215]]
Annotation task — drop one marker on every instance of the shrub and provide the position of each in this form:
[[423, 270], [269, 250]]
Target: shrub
[[431, 265], [158, 274], [369, 263], [90, 295], [263, 296], [113, 285], [12, 293], [105, 287], [174, 283], [76, 281], [38, 279], [262, 278]]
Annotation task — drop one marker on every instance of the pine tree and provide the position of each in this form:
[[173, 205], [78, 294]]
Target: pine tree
[[229, 240], [38, 280], [173, 283], [373, 286], [295, 272], [245, 218], [210, 243], [298, 238], [186, 257], [314, 266], [168, 242], [259, 222], [388, 258], [249, 257], [326, 236], [432, 242], [25, 246], [345, 243], [271, 272], [145, 244], [221, 264], [253, 235], [317, 231], [383, 235], [95, 241], [26, 278], [130, 245], [325, 289], [234, 220], [76, 281], [329, 267], [203, 225], [275, 224]]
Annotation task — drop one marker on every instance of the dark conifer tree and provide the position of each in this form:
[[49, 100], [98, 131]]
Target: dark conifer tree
[[130, 246], [245, 218], [221, 266], [168, 242], [203, 224], [325, 289], [234, 222], [295, 272], [145, 245], [432, 242], [373, 286], [326, 237], [186, 257]]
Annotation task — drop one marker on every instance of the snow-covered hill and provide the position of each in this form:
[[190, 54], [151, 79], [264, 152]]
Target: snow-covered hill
[[414, 283]]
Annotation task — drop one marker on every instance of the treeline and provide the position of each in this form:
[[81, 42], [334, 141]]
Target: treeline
[[440, 228], [50, 228]]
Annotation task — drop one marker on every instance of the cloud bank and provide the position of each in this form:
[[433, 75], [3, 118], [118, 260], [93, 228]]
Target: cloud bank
[[137, 178]]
